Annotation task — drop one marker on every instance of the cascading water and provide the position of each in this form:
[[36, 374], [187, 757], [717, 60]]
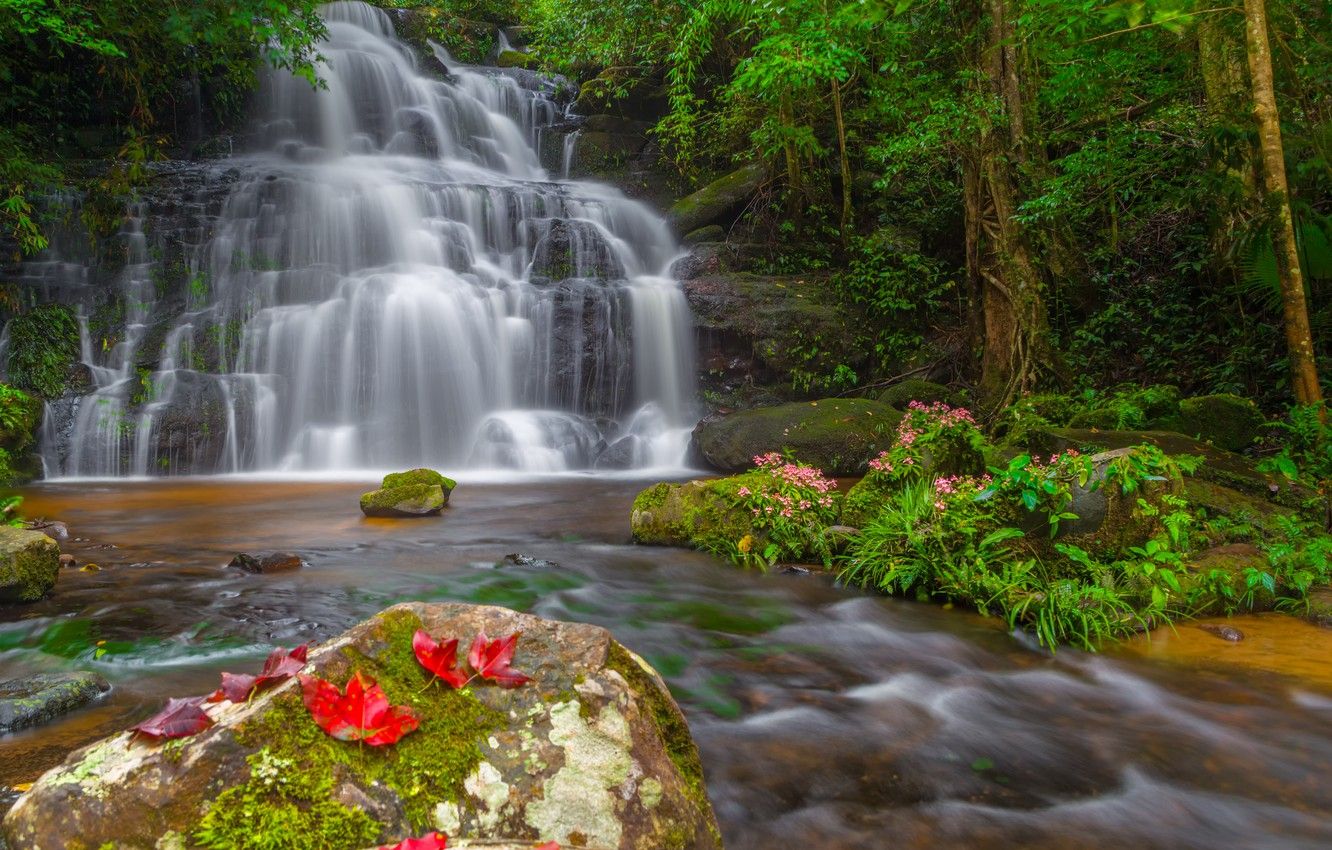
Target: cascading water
[[395, 280]]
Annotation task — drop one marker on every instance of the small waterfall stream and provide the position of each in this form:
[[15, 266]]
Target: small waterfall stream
[[395, 280]]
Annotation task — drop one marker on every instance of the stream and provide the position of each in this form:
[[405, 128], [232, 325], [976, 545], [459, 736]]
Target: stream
[[825, 717]]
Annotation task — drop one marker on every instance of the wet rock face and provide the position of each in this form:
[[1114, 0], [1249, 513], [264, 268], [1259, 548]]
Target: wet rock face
[[591, 753], [838, 436], [273, 562], [34, 700], [29, 564]]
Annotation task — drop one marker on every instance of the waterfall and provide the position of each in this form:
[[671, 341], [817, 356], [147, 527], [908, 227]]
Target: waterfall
[[394, 280]]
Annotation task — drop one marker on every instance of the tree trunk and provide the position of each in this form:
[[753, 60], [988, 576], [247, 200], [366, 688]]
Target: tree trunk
[[1016, 332], [1226, 98], [1299, 339], [845, 161]]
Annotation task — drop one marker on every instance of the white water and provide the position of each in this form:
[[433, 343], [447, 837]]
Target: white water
[[394, 281]]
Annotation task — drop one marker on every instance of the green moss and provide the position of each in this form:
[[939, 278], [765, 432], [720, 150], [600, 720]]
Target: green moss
[[1227, 421], [917, 389], [515, 59], [282, 807], [865, 500], [43, 346], [837, 435], [653, 497], [414, 477], [678, 743], [426, 767]]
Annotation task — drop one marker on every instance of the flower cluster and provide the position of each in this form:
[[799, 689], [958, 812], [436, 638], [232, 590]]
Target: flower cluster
[[927, 431], [789, 503]]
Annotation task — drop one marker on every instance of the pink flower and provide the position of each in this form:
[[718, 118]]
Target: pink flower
[[743, 491]]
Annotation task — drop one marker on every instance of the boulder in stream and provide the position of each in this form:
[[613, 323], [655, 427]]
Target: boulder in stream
[[838, 435], [33, 700], [29, 564], [591, 752], [273, 562], [415, 493]]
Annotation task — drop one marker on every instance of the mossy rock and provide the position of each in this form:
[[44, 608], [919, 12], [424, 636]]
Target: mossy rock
[[592, 752], [412, 500], [515, 59], [690, 514], [865, 501], [839, 436], [1220, 467], [34, 700], [1111, 520], [717, 202], [29, 564], [418, 476], [918, 389], [1232, 560], [1226, 421], [23, 416]]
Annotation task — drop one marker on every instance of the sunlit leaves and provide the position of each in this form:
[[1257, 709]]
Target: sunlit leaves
[[180, 719], [360, 713]]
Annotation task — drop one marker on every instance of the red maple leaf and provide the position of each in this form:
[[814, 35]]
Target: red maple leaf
[[491, 658], [550, 845], [439, 658], [362, 713], [180, 719], [280, 665], [433, 841]]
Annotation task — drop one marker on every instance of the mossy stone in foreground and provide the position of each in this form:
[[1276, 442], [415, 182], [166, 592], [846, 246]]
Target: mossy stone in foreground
[[837, 435], [1227, 421], [418, 476], [29, 564], [592, 753], [413, 500]]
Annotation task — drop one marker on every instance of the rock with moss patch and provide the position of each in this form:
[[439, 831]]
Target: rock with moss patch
[[29, 564], [717, 202], [414, 493], [690, 514], [515, 59], [1226, 421], [34, 700], [917, 389], [591, 753], [839, 436]]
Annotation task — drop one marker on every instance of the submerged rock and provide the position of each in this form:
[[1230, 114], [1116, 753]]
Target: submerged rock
[[1229, 633], [839, 436], [591, 753], [274, 562], [415, 493], [38, 699], [29, 564]]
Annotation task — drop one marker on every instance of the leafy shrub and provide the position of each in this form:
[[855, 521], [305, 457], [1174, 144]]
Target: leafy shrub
[[791, 505]]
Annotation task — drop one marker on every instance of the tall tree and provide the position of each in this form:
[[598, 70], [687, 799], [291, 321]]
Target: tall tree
[[1299, 338]]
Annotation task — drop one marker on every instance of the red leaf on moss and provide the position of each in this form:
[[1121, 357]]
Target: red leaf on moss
[[180, 719], [433, 841], [362, 713], [439, 658], [550, 845], [491, 658], [280, 665]]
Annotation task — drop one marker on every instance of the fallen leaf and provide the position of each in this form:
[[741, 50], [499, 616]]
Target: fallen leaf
[[23, 787], [491, 658], [433, 841], [550, 845], [181, 718], [281, 665], [362, 713], [440, 659]]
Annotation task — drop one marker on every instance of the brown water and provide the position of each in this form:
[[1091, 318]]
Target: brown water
[[825, 718]]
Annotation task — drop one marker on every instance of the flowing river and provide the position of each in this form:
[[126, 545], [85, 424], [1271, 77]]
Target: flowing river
[[825, 717]]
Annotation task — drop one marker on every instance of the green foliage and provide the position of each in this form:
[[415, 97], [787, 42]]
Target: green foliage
[[43, 345], [791, 505]]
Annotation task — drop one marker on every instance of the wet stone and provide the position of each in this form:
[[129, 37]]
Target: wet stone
[[274, 562], [1228, 633], [34, 700]]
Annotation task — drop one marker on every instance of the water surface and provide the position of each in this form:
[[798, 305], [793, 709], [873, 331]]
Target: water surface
[[825, 717]]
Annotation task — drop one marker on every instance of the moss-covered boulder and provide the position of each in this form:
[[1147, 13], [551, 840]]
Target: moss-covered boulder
[[418, 476], [717, 202], [837, 435], [414, 493], [1226, 421], [591, 753], [515, 59], [1111, 520], [414, 500], [917, 389], [33, 700], [691, 514], [1228, 563], [29, 564]]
